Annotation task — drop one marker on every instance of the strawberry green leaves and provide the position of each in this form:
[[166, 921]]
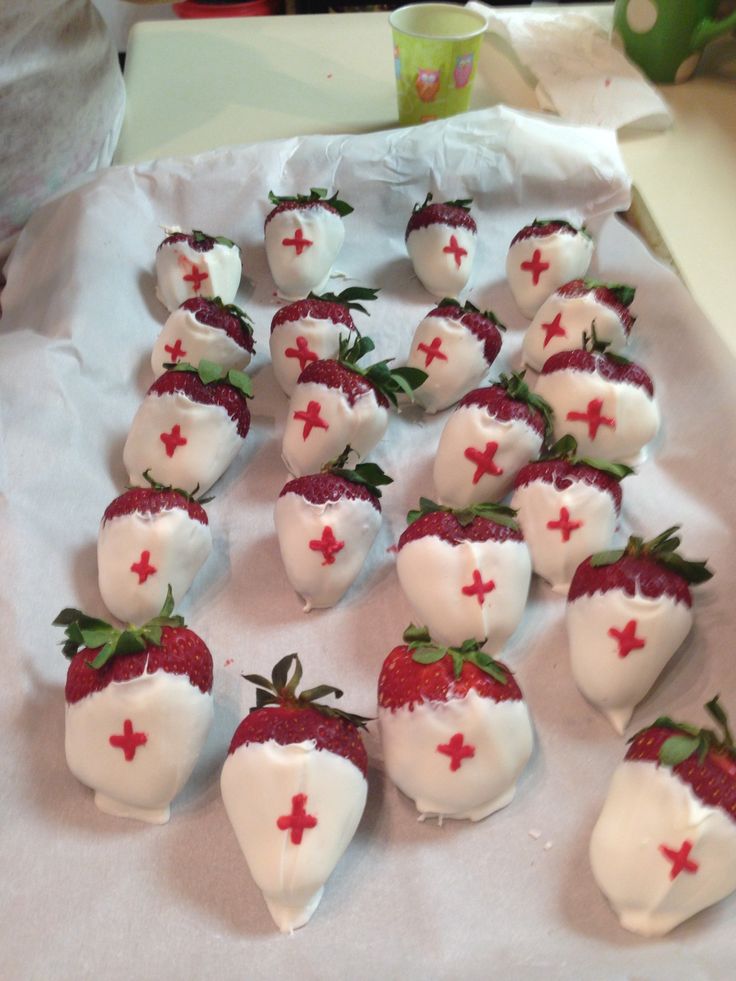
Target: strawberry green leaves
[[463, 203], [348, 297], [662, 549], [316, 195], [689, 740], [500, 513], [389, 381], [469, 307], [424, 651], [368, 475], [516, 388], [566, 449], [209, 372], [203, 238]]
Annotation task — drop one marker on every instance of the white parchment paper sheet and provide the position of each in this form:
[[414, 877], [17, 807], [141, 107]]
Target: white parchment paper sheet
[[90, 896]]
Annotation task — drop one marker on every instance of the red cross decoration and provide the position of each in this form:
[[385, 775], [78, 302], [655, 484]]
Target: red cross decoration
[[592, 416], [328, 545], [129, 740], [143, 567], [679, 858], [196, 277], [173, 440], [299, 243], [456, 250], [432, 351], [553, 329], [535, 266], [564, 525], [483, 460], [302, 351], [458, 750], [298, 821], [175, 350], [311, 418], [627, 639], [478, 588]]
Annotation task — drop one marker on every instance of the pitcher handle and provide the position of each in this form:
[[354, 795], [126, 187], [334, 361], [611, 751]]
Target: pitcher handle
[[709, 29]]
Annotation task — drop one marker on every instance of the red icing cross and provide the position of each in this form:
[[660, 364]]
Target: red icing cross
[[553, 329], [301, 351], [478, 588], [458, 750], [679, 859], [298, 821], [173, 440], [564, 525], [196, 277], [432, 351], [455, 249], [593, 417], [627, 639], [175, 350], [328, 545], [311, 418], [143, 567], [298, 242], [483, 460], [129, 740], [535, 266]]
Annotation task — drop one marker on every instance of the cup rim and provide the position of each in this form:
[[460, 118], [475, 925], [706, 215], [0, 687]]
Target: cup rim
[[455, 8]]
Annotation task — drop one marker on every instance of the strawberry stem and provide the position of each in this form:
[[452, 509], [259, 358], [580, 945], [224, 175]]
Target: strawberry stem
[[425, 651], [500, 513], [663, 550]]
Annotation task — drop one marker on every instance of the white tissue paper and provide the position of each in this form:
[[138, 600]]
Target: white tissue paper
[[580, 74]]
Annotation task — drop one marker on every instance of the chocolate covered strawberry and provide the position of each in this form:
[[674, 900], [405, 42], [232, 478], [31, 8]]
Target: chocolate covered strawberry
[[664, 846], [455, 731], [326, 523], [151, 539], [304, 234], [196, 264], [190, 426], [465, 572], [294, 788], [204, 329], [572, 311], [628, 611], [440, 239], [138, 709], [543, 256], [605, 401], [491, 434], [310, 330], [455, 345], [337, 403], [568, 508]]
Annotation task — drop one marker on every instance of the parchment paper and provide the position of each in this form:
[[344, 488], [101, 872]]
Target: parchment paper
[[90, 896]]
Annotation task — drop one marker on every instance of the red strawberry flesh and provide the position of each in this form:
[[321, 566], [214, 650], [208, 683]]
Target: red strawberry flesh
[[147, 500], [441, 214], [300, 206], [499, 404], [216, 393], [633, 575], [327, 488], [562, 474], [543, 230], [478, 325], [213, 314], [602, 365], [202, 244], [333, 374], [578, 287], [444, 525], [337, 313]]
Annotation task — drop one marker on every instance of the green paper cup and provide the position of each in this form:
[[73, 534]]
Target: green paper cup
[[436, 49]]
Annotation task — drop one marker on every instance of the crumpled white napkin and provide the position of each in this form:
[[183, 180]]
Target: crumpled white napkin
[[580, 74]]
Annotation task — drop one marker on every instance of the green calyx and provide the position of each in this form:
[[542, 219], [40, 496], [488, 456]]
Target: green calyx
[[424, 651], [463, 203], [623, 293], [209, 372], [516, 388], [200, 236], [245, 322], [315, 194], [566, 449], [593, 345], [85, 631], [348, 297], [662, 549], [169, 489], [282, 690], [546, 222], [500, 513], [389, 381], [469, 307], [368, 475], [690, 740]]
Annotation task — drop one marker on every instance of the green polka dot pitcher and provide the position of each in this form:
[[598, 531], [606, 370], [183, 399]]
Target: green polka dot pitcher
[[666, 37]]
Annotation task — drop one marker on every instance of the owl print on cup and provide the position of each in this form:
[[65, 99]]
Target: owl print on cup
[[463, 70], [427, 84]]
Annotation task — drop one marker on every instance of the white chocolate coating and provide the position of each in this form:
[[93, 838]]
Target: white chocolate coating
[[499, 734], [438, 270], [259, 782], [189, 340], [433, 572], [177, 547], [568, 257], [354, 523], [213, 273], [212, 442], [322, 338], [471, 427], [300, 268], [361, 425], [172, 714], [648, 807], [614, 684], [589, 508], [576, 314], [634, 412], [454, 366]]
